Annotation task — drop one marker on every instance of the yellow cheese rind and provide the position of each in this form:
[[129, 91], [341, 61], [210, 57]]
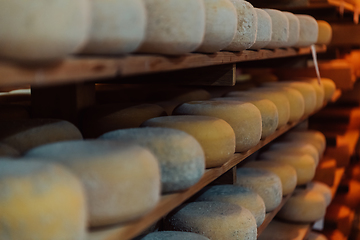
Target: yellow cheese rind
[[316, 138], [40, 201], [216, 137], [180, 155], [329, 88], [240, 196], [121, 180], [215, 220], [325, 32]]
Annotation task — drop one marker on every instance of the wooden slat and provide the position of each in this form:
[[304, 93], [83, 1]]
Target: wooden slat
[[338, 176], [89, 68]]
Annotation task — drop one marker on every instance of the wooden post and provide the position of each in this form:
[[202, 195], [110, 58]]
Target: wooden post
[[227, 178]]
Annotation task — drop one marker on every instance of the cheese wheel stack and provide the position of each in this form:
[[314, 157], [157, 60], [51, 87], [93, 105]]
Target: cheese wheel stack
[[181, 157], [294, 29], [121, 180], [308, 30], [40, 201], [280, 29], [264, 29]]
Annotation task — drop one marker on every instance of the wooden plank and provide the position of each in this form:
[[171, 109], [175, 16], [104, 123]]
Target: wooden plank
[[89, 68], [339, 173]]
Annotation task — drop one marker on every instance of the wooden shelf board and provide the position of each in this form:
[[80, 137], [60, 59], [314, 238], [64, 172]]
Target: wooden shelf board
[[339, 3], [339, 173], [90, 68]]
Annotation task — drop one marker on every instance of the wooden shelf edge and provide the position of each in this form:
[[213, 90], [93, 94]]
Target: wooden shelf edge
[[339, 173], [339, 3], [82, 69]]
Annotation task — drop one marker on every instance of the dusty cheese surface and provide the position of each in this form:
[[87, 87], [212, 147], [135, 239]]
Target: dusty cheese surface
[[40, 201], [320, 92], [121, 180], [180, 155], [244, 118], [215, 220], [316, 138], [216, 137], [264, 29], [322, 188], [280, 29], [294, 29], [308, 30]]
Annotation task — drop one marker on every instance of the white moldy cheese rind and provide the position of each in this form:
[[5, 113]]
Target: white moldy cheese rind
[[43, 30], [264, 29], [240, 196], [216, 137], [246, 26], [173, 27], [180, 155], [40, 201], [303, 206], [280, 29], [215, 220], [244, 118], [322, 188], [221, 25], [172, 235], [325, 32], [26, 134], [308, 30], [294, 29], [264, 182], [117, 26], [121, 180]]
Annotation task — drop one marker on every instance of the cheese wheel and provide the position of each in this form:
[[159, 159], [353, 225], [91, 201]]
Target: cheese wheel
[[299, 147], [304, 164], [173, 27], [305, 206], [329, 88], [308, 30], [40, 201], [264, 182], [26, 134], [325, 32], [284, 171], [322, 188], [316, 138], [216, 137], [221, 24], [172, 235], [264, 29], [304, 88], [7, 151], [245, 35], [316, 236], [215, 220], [12, 112], [181, 157], [279, 99], [294, 29], [244, 118], [268, 111], [320, 92], [121, 180], [110, 31], [240, 196], [105, 118], [27, 35], [280, 29], [296, 100], [325, 172]]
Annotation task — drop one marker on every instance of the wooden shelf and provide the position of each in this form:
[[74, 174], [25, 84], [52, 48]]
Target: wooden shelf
[[339, 3], [338, 176], [90, 68]]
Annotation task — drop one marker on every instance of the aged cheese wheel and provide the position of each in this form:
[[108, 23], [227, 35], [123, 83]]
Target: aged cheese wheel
[[117, 26], [105, 118], [26, 134], [299, 147], [121, 180], [215, 220], [316, 138], [264, 29], [294, 29], [244, 118], [181, 157], [305, 89], [173, 27], [305, 206], [280, 29], [264, 182], [304, 164], [325, 32], [268, 110], [316, 236], [40, 201], [246, 26], [308, 30], [172, 235], [221, 25], [284, 171], [27, 35], [329, 88], [240, 196], [279, 99], [7, 151], [216, 137], [320, 92], [322, 188]]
